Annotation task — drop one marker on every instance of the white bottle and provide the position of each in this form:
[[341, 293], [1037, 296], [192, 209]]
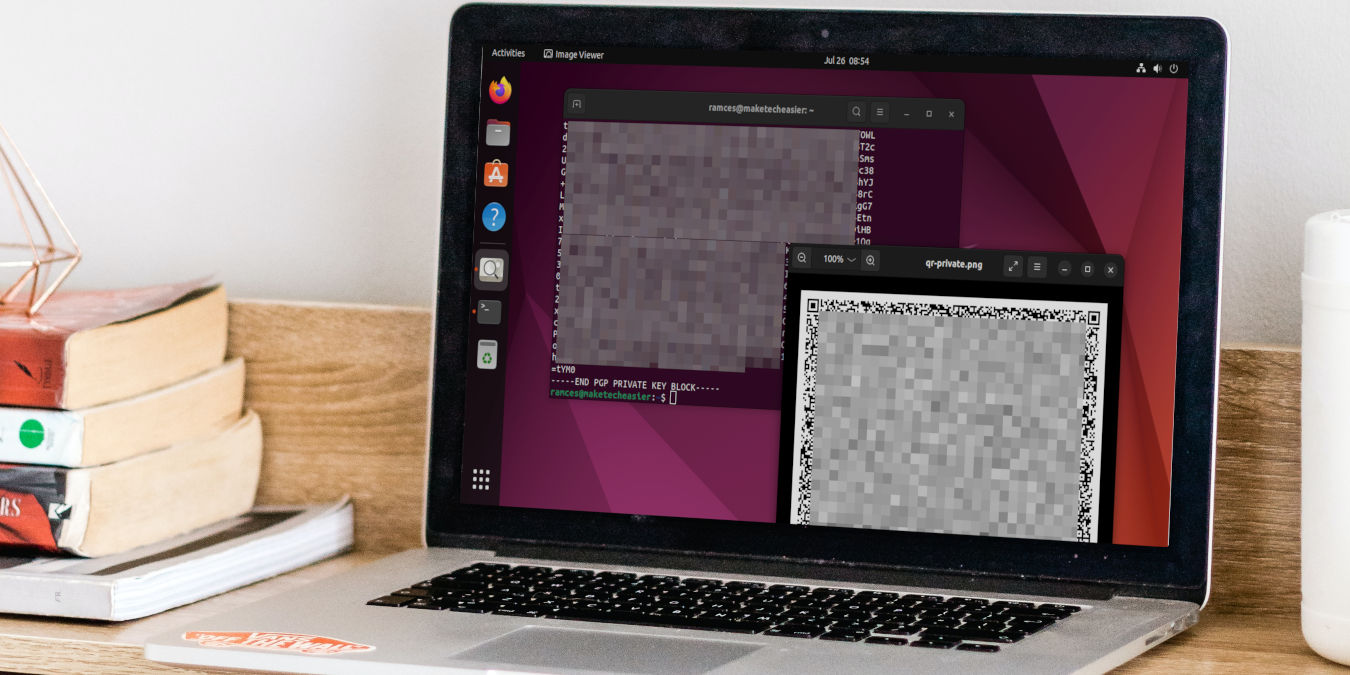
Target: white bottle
[[1326, 436]]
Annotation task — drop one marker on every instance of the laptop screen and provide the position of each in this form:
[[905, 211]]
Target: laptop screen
[[927, 294]]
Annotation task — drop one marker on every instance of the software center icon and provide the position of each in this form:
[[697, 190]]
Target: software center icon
[[500, 90]]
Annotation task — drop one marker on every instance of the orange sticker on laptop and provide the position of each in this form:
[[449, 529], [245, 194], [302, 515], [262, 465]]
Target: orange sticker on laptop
[[282, 642]]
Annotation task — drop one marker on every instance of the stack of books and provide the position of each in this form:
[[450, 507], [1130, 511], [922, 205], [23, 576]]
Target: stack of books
[[124, 440], [123, 437], [121, 423]]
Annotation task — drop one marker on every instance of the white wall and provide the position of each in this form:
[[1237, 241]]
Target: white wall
[[293, 147]]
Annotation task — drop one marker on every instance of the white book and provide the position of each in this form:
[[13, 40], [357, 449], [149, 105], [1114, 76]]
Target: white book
[[192, 408], [262, 543]]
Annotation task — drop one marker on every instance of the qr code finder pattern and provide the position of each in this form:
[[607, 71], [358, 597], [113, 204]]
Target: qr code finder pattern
[[672, 248], [951, 424], [690, 304]]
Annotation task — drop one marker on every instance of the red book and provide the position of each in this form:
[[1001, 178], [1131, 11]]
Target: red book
[[91, 347]]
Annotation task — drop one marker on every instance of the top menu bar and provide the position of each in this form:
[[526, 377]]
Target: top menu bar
[[1141, 66]]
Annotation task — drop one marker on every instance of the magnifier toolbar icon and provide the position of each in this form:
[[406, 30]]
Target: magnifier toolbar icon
[[801, 257], [857, 111]]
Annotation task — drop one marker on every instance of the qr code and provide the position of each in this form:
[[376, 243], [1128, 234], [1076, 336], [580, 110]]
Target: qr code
[[950, 415]]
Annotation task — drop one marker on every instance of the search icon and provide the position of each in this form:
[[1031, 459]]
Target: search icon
[[856, 111]]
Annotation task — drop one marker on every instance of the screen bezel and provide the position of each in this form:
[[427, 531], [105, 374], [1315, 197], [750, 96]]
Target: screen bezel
[[1179, 570]]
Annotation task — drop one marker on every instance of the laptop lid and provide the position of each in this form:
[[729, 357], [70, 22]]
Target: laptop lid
[[896, 290]]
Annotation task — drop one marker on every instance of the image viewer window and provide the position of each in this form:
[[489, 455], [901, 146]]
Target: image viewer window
[[954, 400]]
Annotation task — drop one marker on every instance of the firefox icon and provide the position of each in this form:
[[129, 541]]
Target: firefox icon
[[500, 90]]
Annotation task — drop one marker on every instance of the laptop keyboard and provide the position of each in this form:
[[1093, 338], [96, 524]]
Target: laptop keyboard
[[842, 614]]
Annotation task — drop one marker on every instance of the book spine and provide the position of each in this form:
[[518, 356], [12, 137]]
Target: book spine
[[40, 436], [33, 507], [80, 598], [32, 369]]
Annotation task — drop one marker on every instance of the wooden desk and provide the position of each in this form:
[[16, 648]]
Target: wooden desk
[[342, 394]]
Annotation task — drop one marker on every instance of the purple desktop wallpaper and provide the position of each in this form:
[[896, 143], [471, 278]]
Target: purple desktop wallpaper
[[1065, 163]]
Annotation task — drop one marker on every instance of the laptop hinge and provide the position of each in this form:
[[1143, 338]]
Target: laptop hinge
[[825, 570]]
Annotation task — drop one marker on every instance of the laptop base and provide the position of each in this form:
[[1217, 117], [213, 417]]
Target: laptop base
[[402, 640]]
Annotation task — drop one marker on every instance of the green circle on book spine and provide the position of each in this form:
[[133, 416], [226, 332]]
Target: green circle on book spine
[[31, 434]]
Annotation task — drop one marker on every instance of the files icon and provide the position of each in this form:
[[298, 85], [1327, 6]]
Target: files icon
[[498, 133]]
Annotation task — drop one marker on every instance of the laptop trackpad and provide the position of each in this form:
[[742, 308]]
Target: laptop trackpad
[[595, 650]]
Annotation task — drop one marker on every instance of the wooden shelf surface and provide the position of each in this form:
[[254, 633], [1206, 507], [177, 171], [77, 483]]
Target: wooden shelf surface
[[342, 392], [42, 645]]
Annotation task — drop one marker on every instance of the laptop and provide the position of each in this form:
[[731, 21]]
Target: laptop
[[802, 341]]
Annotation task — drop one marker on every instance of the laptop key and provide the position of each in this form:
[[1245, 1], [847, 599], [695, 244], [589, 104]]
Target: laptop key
[[795, 630], [573, 572], [991, 626], [1031, 624], [469, 608], [744, 585], [520, 611], [896, 629], [698, 623], [844, 635], [886, 640], [392, 601], [972, 647], [835, 594], [426, 603], [1071, 609], [847, 615], [967, 634], [876, 596], [940, 622], [933, 644], [442, 583], [915, 597], [851, 626]]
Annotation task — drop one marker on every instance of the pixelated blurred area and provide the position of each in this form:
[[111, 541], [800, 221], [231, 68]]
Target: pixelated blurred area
[[952, 424], [672, 247]]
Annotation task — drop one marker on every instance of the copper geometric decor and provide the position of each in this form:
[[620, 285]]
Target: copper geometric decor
[[38, 254]]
